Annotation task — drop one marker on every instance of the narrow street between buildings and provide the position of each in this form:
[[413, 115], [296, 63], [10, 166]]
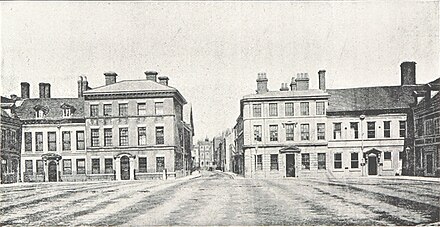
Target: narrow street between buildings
[[217, 198]]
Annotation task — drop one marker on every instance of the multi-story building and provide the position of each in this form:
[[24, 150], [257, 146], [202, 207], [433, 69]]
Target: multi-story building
[[334, 132], [206, 154], [10, 141], [136, 128], [238, 155], [229, 150], [426, 156]]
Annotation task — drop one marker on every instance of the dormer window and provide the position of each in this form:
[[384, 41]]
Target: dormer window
[[40, 111], [67, 110], [39, 114], [67, 113]]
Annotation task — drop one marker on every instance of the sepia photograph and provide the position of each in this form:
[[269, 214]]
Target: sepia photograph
[[220, 113]]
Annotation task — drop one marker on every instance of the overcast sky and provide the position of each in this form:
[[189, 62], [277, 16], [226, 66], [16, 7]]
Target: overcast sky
[[212, 51]]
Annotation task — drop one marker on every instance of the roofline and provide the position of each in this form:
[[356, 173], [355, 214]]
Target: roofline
[[294, 97]]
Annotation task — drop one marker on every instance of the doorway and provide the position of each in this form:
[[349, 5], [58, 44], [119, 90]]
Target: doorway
[[290, 165], [52, 171], [125, 168], [372, 164]]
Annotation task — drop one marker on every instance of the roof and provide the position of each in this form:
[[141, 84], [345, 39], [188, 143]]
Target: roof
[[52, 107], [371, 98], [6, 100], [131, 86], [287, 94]]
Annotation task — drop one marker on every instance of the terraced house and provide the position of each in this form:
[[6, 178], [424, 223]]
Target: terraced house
[[302, 132]]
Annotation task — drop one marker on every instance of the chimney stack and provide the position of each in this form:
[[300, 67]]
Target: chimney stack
[[110, 77], [163, 80], [47, 90], [262, 83], [151, 75], [41, 87], [408, 73], [80, 87], [293, 84], [284, 87], [302, 81], [321, 74], [25, 90]]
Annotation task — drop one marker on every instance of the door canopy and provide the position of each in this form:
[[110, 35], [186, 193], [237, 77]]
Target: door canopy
[[124, 154], [373, 151], [51, 156], [290, 149]]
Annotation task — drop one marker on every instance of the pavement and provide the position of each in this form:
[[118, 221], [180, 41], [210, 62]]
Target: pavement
[[217, 198]]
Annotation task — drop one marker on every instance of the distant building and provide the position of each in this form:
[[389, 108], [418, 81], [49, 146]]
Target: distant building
[[10, 141], [206, 154], [230, 150], [238, 155]]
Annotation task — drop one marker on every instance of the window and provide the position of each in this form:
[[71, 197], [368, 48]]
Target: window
[[336, 131], [27, 141], [13, 138], [29, 168], [39, 114], [290, 132], [123, 109], [354, 126], [273, 162], [123, 137], [387, 160], [52, 141], [95, 166], [256, 110], [320, 131], [108, 165], [142, 136], [40, 167], [107, 109], [66, 141], [93, 110], [273, 109], [419, 127], [160, 164], [402, 128], [38, 141], [304, 107], [321, 161], [305, 132], [80, 166], [67, 166], [160, 135], [320, 108], [273, 132], [108, 137], [387, 155], [289, 109], [436, 127], [354, 160], [338, 161], [158, 108], [371, 127], [142, 109], [142, 165], [387, 129], [305, 161], [95, 137], [80, 145], [259, 165], [3, 138], [257, 133], [67, 112]]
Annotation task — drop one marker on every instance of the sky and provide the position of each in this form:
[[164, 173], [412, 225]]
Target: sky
[[213, 51]]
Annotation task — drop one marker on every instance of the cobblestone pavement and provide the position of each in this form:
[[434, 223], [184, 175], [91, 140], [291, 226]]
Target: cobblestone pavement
[[217, 199]]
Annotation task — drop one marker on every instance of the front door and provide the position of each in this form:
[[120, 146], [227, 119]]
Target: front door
[[52, 171], [372, 165], [290, 165], [125, 168], [429, 164]]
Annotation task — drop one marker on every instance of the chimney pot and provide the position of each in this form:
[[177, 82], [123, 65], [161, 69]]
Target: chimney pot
[[293, 84], [408, 73], [321, 77], [110, 77], [163, 80], [25, 94], [262, 83], [151, 75]]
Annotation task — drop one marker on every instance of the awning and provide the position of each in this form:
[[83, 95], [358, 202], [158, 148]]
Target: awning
[[290, 149]]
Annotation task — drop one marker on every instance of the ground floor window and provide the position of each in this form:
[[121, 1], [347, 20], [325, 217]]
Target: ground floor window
[[321, 161], [67, 166], [274, 162], [108, 165], [305, 161], [354, 160], [80, 166], [338, 161], [95, 166], [259, 162], [387, 160], [160, 164], [28, 166], [142, 165], [40, 167]]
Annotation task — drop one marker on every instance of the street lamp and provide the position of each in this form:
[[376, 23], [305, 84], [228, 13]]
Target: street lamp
[[362, 118]]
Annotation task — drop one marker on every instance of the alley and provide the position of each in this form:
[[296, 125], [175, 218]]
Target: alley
[[218, 199]]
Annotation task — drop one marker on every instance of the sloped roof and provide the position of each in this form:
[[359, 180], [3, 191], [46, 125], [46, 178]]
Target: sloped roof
[[286, 94], [131, 86], [371, 98], [53, 106]]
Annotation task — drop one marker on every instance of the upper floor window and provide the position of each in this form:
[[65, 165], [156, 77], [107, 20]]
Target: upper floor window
[[52, 141], [108, 137], [354, 127], [387, 129], [107, 109], [436, 127], [38, 141], [305, 132], [419, 127], [337, 131], [66, 141], [123, 137], [94, 110], [371, 129], [304, 107], [142, 136], [80, 140], [320, 131], [402, 128], [273, 109], [123, 109], [95, 137], [3, 138], [160, 135], [320, 108], [27, 141], [273, 132], [256, 110], [142, 109], [67, 112], [158, 107], [289, 109], [290, 132], [257, 133]]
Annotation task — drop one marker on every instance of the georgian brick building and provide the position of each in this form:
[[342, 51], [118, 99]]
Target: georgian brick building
[[10, 142]]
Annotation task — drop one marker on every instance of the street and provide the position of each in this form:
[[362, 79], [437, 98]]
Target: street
[[219, 199]]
